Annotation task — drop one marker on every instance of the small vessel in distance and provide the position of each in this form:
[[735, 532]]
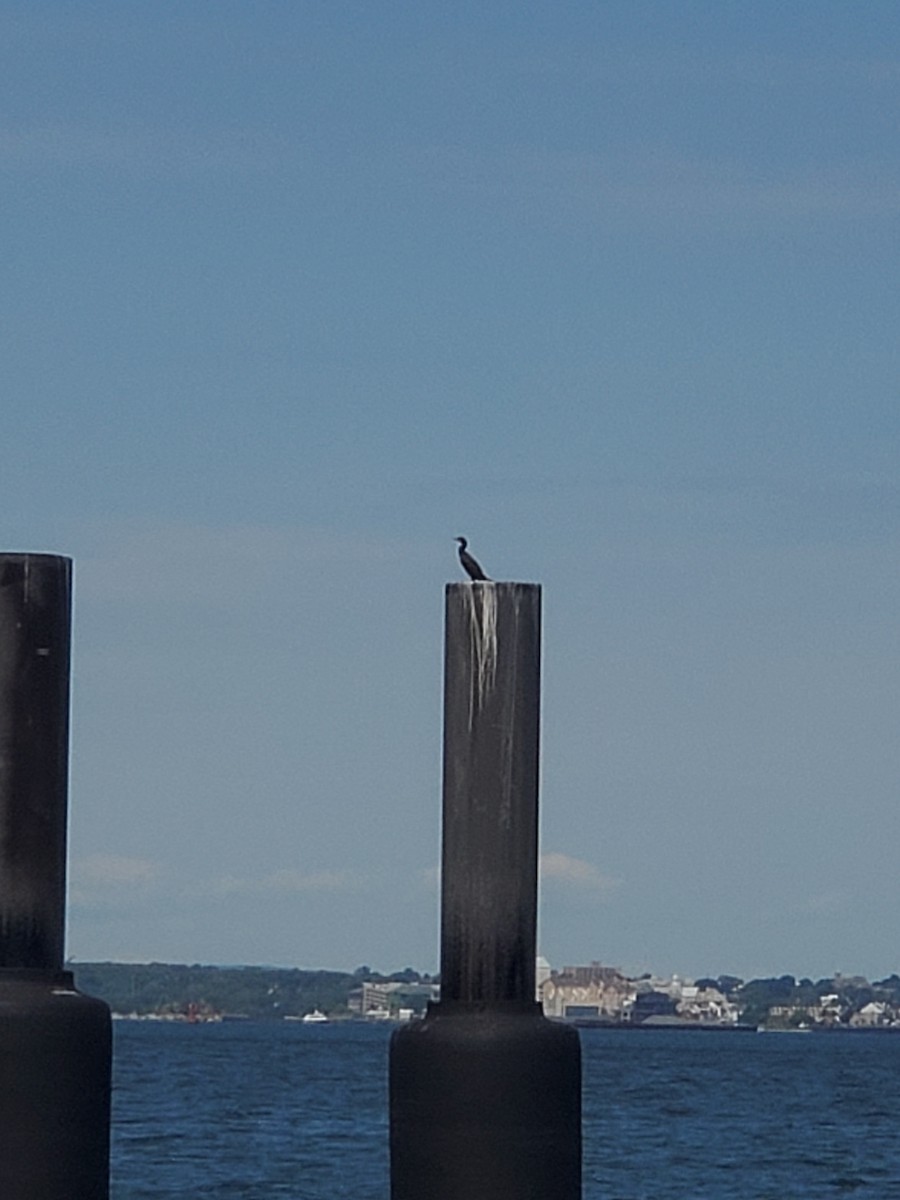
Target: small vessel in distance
[[311, 1018]]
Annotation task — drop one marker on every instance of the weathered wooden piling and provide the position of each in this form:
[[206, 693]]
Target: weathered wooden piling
[[485, 1093], [55, 1058]]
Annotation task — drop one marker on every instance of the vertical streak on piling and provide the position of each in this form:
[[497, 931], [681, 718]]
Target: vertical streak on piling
[[35, 602], [55, 1044], [485, 1093], [491, 733]]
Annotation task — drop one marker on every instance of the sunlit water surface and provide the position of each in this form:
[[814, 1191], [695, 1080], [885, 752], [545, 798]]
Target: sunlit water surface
[[255, 1112]]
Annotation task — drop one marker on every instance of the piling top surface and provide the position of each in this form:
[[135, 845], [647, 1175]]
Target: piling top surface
[[491, 583], [47, 566], [20, 554]]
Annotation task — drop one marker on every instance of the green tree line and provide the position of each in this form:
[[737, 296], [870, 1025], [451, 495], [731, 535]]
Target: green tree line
[[262, 993]]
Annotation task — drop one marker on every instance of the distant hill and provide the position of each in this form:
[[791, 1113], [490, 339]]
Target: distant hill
[[257, 992], [270, 993]]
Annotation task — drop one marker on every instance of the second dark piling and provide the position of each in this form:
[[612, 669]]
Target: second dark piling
[[54, 1042], [485, 1093]]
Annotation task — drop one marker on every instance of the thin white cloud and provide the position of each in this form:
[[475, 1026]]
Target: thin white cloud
[[575, 872], [136, 149], [691, 67], [113, 870], [285, 880], [175, 562], [104, 881], [663, 186], [561, 868], [430, 878], [827, 902]]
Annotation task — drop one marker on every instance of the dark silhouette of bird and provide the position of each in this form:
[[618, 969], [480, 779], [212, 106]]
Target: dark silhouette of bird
[[469, 564]]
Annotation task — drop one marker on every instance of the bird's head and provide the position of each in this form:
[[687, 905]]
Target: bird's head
[[462, 542]]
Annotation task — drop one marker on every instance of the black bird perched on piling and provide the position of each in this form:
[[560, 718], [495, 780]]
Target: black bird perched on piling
[[470, 566]]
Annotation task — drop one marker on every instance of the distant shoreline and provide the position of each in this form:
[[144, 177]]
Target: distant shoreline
[[709, 1027]]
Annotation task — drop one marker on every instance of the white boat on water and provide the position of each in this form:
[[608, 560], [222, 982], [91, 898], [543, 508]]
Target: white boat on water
[[315, 1018]]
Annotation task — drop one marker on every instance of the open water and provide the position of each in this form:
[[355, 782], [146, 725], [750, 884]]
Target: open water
[[256, 1112]]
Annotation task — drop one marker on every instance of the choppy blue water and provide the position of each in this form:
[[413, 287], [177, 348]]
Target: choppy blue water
[[255, 1112]]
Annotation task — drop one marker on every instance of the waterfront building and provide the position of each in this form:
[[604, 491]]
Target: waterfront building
[[593, 992]]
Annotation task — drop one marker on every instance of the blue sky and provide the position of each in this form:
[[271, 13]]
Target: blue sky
[[296, 292]]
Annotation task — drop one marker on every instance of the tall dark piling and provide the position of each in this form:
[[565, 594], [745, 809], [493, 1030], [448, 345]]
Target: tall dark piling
[[485, 1093], [55, 1056]]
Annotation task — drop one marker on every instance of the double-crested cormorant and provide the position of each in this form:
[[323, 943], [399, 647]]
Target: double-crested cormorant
[[470, 566]]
